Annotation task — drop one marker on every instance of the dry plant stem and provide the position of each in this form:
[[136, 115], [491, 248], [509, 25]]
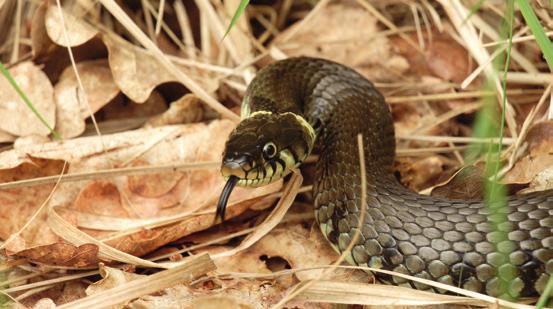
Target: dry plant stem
[[530, 78], [455, 139], [159, 17], [304, 285], [39, 210], [457, 14], [524, 131], [447, 96], [525, 38], [516, 56], [126, 171], [450, 288], [186, 29], [166, 28], [305, 21], [389, 24], [218, 28], [187, 271], [120, 15], [472, 76], [446, 116], [377, 295], [17, 34], [51, 281], [34, 291], [148, 19], [78, 77]]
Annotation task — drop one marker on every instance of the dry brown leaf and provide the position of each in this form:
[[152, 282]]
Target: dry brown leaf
[[78, 30], [15, 117], [62, 254], [135, 71], [345, 32], [71, 103], [186, 109], [22, 202], [417, 173], [163, 203], [41, 43], [539, 157], [442, 57]]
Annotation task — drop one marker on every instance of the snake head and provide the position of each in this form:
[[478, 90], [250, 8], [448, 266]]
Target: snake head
[[264, 148]]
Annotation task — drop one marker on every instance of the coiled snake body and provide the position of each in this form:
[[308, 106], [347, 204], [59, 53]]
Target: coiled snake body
[[499, 250]]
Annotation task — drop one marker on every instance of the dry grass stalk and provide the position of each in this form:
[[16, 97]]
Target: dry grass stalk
[[120, 15], [98, 174], [190, 269]]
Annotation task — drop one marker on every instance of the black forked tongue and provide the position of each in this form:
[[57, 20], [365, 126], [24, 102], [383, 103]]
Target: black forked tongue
[[223, 199]]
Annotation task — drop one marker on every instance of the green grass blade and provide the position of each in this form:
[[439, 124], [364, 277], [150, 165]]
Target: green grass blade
[[542, 302], [239, 11], [537, 30], [23, 96]]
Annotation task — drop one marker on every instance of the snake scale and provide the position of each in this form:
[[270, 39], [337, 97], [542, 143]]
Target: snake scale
[[298, 104]]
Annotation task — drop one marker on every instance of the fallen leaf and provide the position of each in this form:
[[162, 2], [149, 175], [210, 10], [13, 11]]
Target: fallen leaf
[[420, 173], [163, 202], [15, 116], [72, 109], [78, 31], [350, 27], [539, 157], [186, 109], [61, 254], [135, 71], [442, 56]]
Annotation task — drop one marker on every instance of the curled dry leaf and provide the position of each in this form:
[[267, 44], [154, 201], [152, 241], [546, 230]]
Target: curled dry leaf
[[78, 30], [15, 117], [111, 277], [539, 157], [162, 202], [135, 71], [345, 32], [71, 103], [465, 184]]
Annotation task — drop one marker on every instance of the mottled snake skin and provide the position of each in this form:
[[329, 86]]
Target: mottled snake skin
[[500, 251]]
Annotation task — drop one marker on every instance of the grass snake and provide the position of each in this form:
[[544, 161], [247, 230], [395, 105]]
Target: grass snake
[[298, 104]]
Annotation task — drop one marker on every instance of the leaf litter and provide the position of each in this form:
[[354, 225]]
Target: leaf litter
[[123, 199]]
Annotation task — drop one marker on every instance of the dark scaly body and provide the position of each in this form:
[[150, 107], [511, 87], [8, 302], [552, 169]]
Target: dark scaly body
[[451, 241]]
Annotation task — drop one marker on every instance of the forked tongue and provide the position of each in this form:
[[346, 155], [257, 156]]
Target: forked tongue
[[223, 199]]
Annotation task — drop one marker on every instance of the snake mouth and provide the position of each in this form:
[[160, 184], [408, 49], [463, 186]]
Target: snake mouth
[[223, 199]]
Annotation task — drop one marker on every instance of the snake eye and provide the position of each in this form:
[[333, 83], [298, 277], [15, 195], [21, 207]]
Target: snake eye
[[269, 150]]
